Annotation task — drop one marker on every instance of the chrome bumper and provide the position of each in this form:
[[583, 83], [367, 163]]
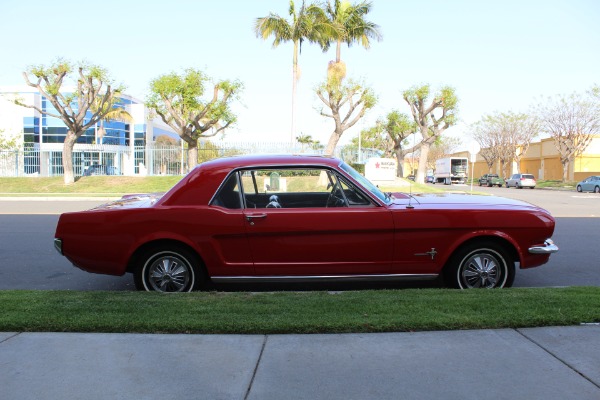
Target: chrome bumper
[[58, 245], [548, 248]]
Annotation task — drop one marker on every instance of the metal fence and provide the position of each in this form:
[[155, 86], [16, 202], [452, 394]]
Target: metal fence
[[147, 160]]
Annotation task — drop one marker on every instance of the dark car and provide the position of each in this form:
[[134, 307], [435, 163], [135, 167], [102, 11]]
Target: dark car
[[589, 184], [294, 218], [97, 169], [491, 180], [429, 179]]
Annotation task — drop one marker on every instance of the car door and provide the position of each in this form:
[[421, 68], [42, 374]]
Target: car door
[[314, 224]]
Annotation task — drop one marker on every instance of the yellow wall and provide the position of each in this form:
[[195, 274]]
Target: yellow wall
[[542, 160]]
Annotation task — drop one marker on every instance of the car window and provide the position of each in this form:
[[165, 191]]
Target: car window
[[526, 176], [299, 188], [228, 195]]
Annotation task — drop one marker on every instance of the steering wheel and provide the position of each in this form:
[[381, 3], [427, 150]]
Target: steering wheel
[[336, 197]]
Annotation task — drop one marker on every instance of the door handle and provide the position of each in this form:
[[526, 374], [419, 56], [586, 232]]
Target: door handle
[[252, 217]]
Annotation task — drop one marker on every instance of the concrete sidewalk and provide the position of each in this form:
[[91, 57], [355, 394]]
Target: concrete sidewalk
[[536, 363]]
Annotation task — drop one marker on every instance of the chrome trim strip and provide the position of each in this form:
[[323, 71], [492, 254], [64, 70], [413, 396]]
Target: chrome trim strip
[[58, 245], [324, 278], [548, 248]]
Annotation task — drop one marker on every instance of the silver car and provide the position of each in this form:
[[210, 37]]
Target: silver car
[[589, 184], [520, 181]]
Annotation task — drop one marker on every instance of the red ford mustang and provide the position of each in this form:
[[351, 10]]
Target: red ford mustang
[[287, 218]]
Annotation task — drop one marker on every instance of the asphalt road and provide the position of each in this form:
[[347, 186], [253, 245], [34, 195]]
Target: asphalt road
[[29, 260]]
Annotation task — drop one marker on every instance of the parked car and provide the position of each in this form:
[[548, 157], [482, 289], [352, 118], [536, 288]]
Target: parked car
[[521, 180], [491, 180], [284, 218], [429, 179], [589, 184], [97, 169], [411, 177]]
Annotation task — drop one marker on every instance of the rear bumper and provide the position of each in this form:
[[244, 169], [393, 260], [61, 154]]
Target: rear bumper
[[548, 248], [58, 245]]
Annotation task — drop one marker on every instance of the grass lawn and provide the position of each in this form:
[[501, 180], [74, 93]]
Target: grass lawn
[[87, 185], [296, 312]]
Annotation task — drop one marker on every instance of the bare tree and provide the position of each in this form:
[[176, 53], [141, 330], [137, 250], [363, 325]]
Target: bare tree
[[572, 121], [347, 104], [487, 136], [432, 119], [90, 100], [505, 137]]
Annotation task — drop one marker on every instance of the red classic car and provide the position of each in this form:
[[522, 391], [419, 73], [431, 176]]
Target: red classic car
[[281, 218]]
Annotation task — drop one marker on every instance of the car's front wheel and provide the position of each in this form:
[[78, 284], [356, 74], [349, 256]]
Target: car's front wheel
[[480, 265], [597, 189], [167, 269], [579, 189]]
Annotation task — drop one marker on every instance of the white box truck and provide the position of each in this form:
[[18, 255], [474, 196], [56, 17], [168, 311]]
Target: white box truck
[[451, 170]]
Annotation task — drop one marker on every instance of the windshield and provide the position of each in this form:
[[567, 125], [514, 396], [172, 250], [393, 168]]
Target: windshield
[[366, 183]]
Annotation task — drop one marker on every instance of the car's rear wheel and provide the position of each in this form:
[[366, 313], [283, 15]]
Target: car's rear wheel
[[167, 269], [597, 189], [480, 265]]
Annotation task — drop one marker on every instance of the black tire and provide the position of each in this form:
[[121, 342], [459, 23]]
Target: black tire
[[168, 268], [507, 185], [597, 189], [480, 265], [579, 189]]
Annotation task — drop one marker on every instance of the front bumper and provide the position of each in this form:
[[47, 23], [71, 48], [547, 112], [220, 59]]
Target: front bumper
[[548, 248]]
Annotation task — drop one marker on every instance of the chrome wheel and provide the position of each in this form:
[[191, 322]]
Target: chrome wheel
[[485, 266], [166, 270], [481, 270]]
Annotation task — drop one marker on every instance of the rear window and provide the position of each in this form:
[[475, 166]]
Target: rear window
[[526, 176]]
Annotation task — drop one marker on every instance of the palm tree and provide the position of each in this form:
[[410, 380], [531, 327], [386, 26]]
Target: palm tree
[[116, 113], [304, 140], [308, 23], [350, 26]]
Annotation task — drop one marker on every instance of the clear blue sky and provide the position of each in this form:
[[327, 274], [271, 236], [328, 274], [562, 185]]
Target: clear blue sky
[[498, 55]]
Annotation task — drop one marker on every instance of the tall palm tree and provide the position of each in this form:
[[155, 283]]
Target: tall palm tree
[[350, 26], [308, 23], [117, 113]]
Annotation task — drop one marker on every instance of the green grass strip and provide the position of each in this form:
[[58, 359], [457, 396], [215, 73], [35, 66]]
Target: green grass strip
[[296, 312]]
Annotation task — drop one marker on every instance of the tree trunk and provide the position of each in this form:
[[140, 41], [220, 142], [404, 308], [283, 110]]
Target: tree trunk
[[67, 158], [192, 155], [565, 171], [295, 78], [333, 141], [400, 166], [421, 171]]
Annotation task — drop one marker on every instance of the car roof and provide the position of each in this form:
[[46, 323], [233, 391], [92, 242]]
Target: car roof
[[268, 160]]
